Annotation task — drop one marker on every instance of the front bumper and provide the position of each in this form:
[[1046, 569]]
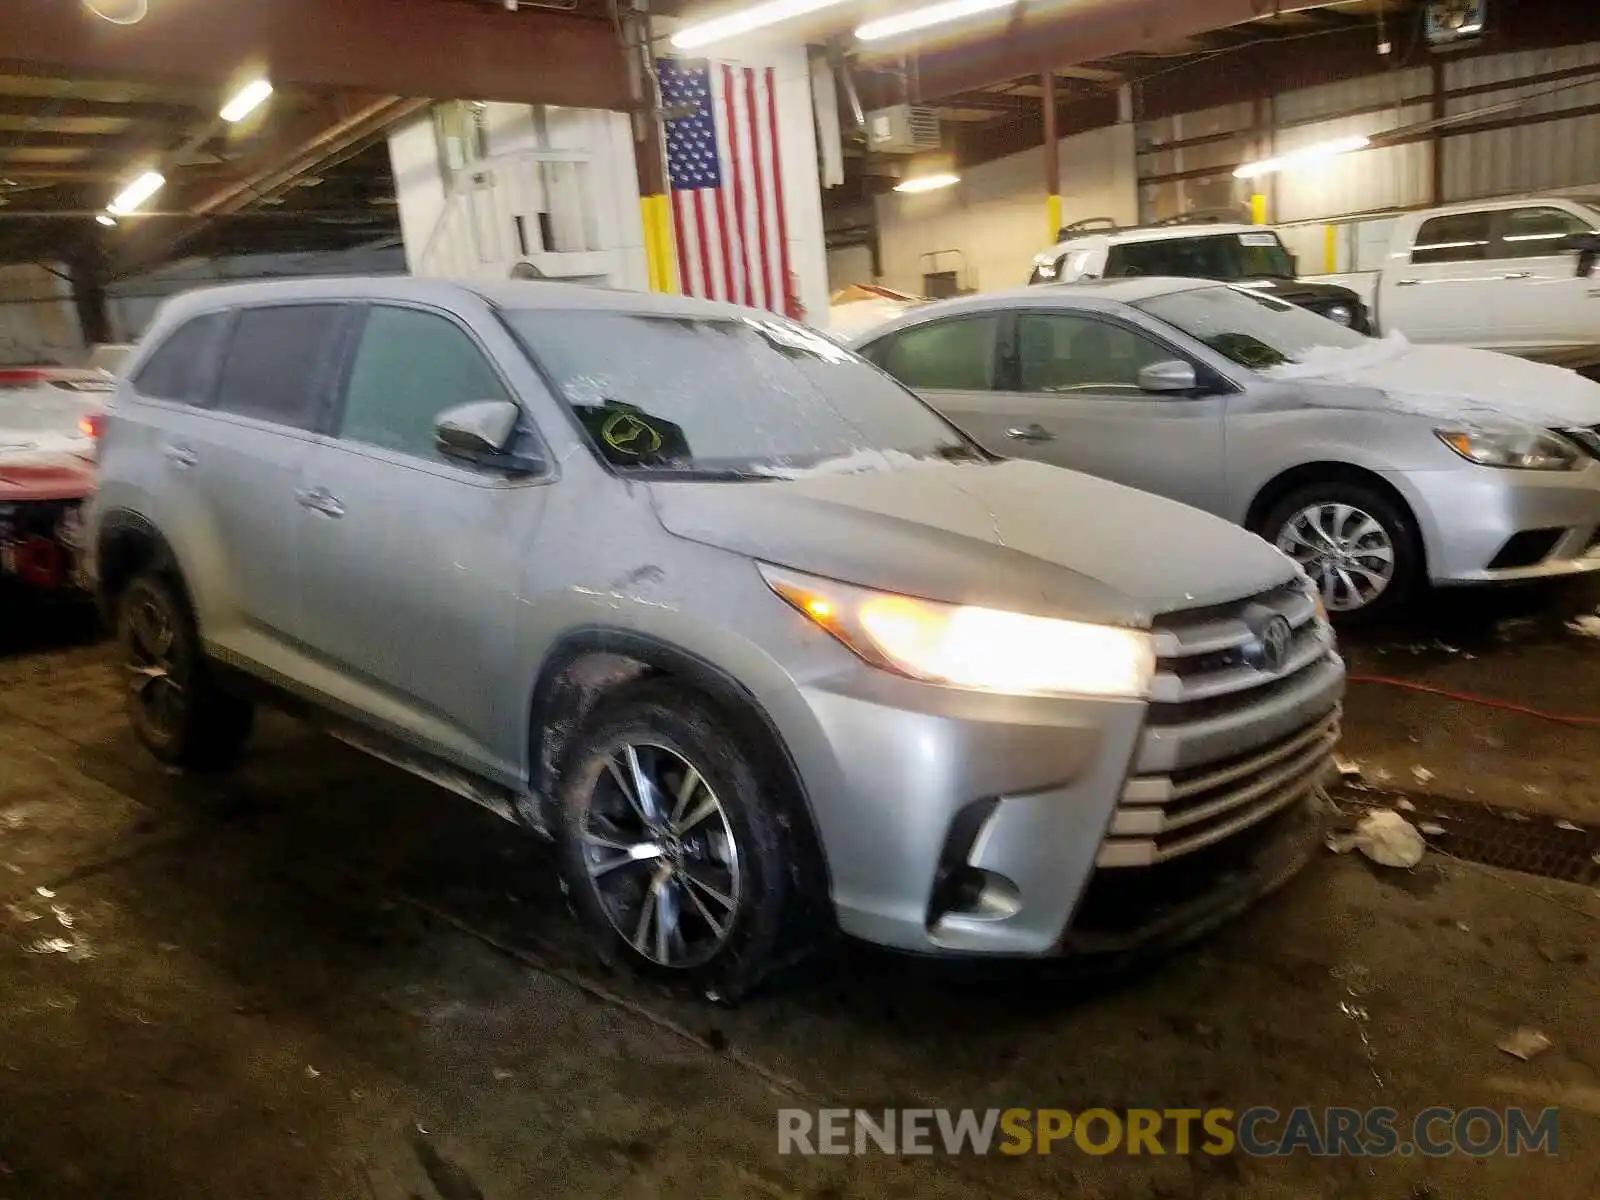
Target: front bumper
[[1487, 525], [966, 823]]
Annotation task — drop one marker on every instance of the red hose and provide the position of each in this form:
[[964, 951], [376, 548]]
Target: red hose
[[1484, 701]]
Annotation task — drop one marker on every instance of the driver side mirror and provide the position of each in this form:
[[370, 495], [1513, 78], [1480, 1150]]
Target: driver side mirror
[[1168, 377], [479, 433], [1588, 247]]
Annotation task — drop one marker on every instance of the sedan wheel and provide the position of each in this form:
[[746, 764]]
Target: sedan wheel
[[1348, 553], [660, 851]]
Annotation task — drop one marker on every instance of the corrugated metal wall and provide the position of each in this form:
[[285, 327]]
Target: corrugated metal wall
[[1542, 156]]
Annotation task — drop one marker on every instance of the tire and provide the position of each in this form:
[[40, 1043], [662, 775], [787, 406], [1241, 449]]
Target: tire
[[1339, 506], [724, 839], [176, 705]]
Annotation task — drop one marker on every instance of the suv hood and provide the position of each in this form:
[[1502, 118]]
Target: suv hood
[[1452, 383], [1012, 535]]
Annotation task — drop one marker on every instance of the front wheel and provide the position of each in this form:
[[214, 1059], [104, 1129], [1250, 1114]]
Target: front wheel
[[1359, 546], [673, 851], [175, 703]]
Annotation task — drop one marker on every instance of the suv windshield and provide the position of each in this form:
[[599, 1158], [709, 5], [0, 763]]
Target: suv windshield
[[1254, 255], [1253, 330], [730, 396]]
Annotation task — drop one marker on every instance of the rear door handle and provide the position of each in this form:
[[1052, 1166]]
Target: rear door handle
[[180, 455], [1030, 433], [1518, 275], [319, 500], [1407, 282]]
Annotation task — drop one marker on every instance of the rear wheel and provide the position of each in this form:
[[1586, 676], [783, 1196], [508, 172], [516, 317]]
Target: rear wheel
[[175, 703], [673, 851], [1359, 546]]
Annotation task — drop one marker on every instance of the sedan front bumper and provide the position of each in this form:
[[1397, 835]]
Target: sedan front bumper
[[1492, 525]]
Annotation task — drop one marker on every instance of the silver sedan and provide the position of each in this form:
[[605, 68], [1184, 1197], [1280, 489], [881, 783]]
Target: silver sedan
[[1374, 463]]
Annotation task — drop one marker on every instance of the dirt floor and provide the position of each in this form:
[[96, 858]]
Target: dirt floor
[[319, 978]]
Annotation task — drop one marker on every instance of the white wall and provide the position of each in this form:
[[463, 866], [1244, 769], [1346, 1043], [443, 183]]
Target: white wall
[[995, 218], [847, 265], [38, 322]]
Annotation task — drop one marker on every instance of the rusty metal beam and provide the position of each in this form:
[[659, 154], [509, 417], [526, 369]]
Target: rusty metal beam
[[395, 47], [64, 108]]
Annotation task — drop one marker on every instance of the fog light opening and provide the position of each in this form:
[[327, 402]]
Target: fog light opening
[[975, 894]]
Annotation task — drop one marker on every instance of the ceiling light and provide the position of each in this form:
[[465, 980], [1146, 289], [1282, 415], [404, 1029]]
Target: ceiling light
[[926, 183], [746, 20], [119, 12], [922, 18], [1300, 158], [136, 193], [106, 219], [245, 101]]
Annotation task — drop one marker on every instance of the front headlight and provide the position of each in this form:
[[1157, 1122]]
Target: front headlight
[[981, 648], [1341, 314], [1527, 449]]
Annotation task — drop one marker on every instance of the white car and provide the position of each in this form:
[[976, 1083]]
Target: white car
[[1504, 275]]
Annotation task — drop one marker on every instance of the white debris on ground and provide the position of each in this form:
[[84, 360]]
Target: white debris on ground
[[1422, 774], [1588, 625], [1348, 768], [1385, 837], [1524, 1044]]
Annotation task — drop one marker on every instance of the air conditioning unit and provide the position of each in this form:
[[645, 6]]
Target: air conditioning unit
[[903, 129], [1449, 22]]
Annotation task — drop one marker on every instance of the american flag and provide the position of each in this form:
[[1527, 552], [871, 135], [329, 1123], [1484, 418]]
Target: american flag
[[726, 179]]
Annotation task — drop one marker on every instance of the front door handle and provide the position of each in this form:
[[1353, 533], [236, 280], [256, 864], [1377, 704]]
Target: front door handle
[[1030, 433], [180, 455], [1407, 282], [1518, 275], [319, 500]]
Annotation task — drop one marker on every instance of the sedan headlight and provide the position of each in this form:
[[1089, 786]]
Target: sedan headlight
[[981, 648], [1341, 314], [1527, 449]]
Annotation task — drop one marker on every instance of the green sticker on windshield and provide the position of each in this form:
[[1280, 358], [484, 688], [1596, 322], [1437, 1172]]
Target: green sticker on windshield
[[627, 434]]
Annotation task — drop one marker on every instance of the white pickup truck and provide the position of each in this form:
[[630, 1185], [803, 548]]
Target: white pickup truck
[[1512, 275]]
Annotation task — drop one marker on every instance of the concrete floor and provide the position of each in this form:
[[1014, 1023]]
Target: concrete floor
[[318, 978]]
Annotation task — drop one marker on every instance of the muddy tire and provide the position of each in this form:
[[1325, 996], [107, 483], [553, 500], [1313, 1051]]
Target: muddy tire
[[176, 705], [1359, 545], [675, 855]]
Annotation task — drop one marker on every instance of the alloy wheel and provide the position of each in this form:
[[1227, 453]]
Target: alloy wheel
[[1347, 552], [152, 639], [661, 855]]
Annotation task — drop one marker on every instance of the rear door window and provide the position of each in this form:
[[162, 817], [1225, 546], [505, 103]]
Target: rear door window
[[278, 363], [1459, 237], [180, 368], [953, 355], [1536, 232], [409, 367]]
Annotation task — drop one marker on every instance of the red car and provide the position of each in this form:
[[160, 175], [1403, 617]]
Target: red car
[[50, 419]]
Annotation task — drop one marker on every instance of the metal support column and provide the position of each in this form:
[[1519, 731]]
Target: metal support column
[[649, 155], [1052, 157]]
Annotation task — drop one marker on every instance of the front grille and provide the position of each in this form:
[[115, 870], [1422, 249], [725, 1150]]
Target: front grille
[[1162, 817], [1242, 723]]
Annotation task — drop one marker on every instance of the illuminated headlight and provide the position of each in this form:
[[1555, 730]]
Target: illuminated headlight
[[1341, 314], [962, 646], [1525, 449]]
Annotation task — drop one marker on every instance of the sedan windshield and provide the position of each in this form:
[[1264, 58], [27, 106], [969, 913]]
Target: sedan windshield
[[1253, 330], [729, 397]]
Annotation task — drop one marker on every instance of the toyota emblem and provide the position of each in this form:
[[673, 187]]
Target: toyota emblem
[[1274, 641]]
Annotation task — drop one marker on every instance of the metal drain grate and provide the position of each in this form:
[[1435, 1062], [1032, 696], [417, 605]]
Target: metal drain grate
[[1535, 844]]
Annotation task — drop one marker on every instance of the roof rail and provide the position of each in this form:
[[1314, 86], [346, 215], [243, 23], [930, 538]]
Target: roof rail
[[1088, 224], [1205, 216]]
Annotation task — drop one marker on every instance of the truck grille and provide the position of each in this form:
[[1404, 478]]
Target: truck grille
[[1242, 723]]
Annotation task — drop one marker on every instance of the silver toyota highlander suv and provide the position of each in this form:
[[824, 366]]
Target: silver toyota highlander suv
[[760, 641]]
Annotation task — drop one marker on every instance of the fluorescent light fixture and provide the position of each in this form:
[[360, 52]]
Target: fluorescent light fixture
[[1303, 157], [136, 193], [105, 219], [747, 20], [926, 183], [245, 101], [922, 18]]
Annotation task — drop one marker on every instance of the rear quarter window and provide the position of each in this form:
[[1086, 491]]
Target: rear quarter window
[[179, 367]]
